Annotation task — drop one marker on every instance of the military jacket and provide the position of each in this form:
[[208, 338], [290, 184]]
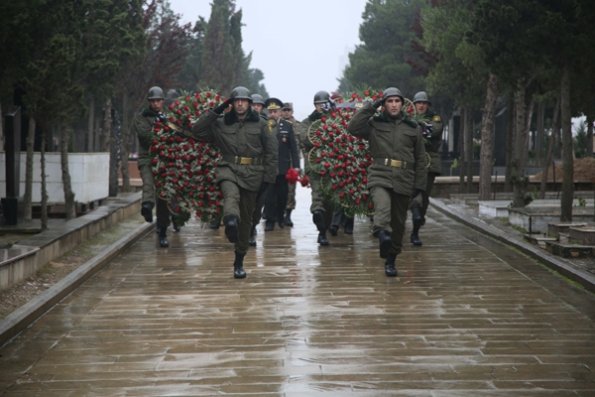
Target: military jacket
[[433, 140], [142, 127], [305, 143], [288, 151], [392, 141], [237, 139]]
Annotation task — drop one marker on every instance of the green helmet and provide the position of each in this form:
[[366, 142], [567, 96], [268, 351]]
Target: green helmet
[[392, 91], [155, 93], [257, 98], [322, 97], [421, 96], [241, 93]]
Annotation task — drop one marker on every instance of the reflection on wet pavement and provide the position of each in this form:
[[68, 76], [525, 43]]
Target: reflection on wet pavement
[[466, 317]]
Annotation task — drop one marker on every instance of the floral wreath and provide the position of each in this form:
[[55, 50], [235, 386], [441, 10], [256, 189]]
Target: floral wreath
[[341, 159], [183, 168]]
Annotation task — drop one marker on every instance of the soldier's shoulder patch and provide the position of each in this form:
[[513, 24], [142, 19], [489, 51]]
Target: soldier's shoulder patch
[[436, 118]]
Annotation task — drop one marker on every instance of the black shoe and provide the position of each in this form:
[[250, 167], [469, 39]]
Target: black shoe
[[287, 220], [146, 210], [231, 228], [384, 243], [348, 228], [390, 270], [333, 230], [318, 219], [252, 240], [322, 240], [214, 224], [238, 266], [162, 231], [415, 240], [281, 224], [269, 226]]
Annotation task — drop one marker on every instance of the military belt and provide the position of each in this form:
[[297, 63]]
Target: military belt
[[242, 160], [395, 163]]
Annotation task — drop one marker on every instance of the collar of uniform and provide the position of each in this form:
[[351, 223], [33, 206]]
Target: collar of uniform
[[232, 117]]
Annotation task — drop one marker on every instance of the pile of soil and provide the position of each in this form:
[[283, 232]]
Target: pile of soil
[[584, 171]]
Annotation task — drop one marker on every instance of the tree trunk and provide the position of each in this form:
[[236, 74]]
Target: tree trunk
[[468, 149], [27, 197], [113, 147], [518, 178], [567, 152], [69, 205], [90, 125], [540, 133], [1, 129], [547, 161], [462, 166], [509, 145], [589, 135], [487, 139], [125, 145], [44, 191]]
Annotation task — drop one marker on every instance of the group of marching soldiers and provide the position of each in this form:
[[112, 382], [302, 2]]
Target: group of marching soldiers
[[260, 140]]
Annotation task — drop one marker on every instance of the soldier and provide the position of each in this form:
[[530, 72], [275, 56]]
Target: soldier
[[321, 208], [142, 126], [287, 114], [431, 124], [276, 200], [258, 105], [249, 158], [398, 172]]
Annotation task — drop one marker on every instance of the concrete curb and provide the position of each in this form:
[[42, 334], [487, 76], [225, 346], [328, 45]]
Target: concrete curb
[[587, 280], [21, 318]]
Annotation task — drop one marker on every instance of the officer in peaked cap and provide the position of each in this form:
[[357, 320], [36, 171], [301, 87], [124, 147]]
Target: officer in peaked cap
[[287, 114], [276, 197]]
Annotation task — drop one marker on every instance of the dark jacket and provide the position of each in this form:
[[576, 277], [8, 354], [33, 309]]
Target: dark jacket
[[288, 151]]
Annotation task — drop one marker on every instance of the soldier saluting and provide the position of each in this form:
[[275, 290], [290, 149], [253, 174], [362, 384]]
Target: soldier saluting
[[249, 158], [398, 171]]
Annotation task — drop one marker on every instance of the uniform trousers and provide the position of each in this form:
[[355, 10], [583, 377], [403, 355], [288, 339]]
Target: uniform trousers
[[148, 194], [239, 202], [390, 214]]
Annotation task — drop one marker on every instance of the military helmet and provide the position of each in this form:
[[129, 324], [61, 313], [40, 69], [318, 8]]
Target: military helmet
[[240, 92], [155, 93], [421, 96], [392, 91], [322, 97], [257, 98]]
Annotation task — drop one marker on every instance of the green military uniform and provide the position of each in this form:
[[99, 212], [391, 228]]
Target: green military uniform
[[433, 127], [142, 127], [319, 203], [250, 152], [398, 169]]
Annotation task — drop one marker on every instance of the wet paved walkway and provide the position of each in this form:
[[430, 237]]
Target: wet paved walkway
[[467, 317]]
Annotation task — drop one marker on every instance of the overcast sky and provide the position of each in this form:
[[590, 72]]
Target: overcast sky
[[301, 46]]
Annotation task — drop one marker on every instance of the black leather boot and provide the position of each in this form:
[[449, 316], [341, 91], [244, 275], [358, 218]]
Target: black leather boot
[[348, 228], [287, 220], [417, 219], [415, 240], [384, 243], [322, 240], [390, 269], [215, 223], [252, 240], [162, 232], [146, 210], [238, 266], [318, 219], [232, 223], [269, 226]]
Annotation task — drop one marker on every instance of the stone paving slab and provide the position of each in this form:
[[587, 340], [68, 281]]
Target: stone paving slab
[[467, 316]]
